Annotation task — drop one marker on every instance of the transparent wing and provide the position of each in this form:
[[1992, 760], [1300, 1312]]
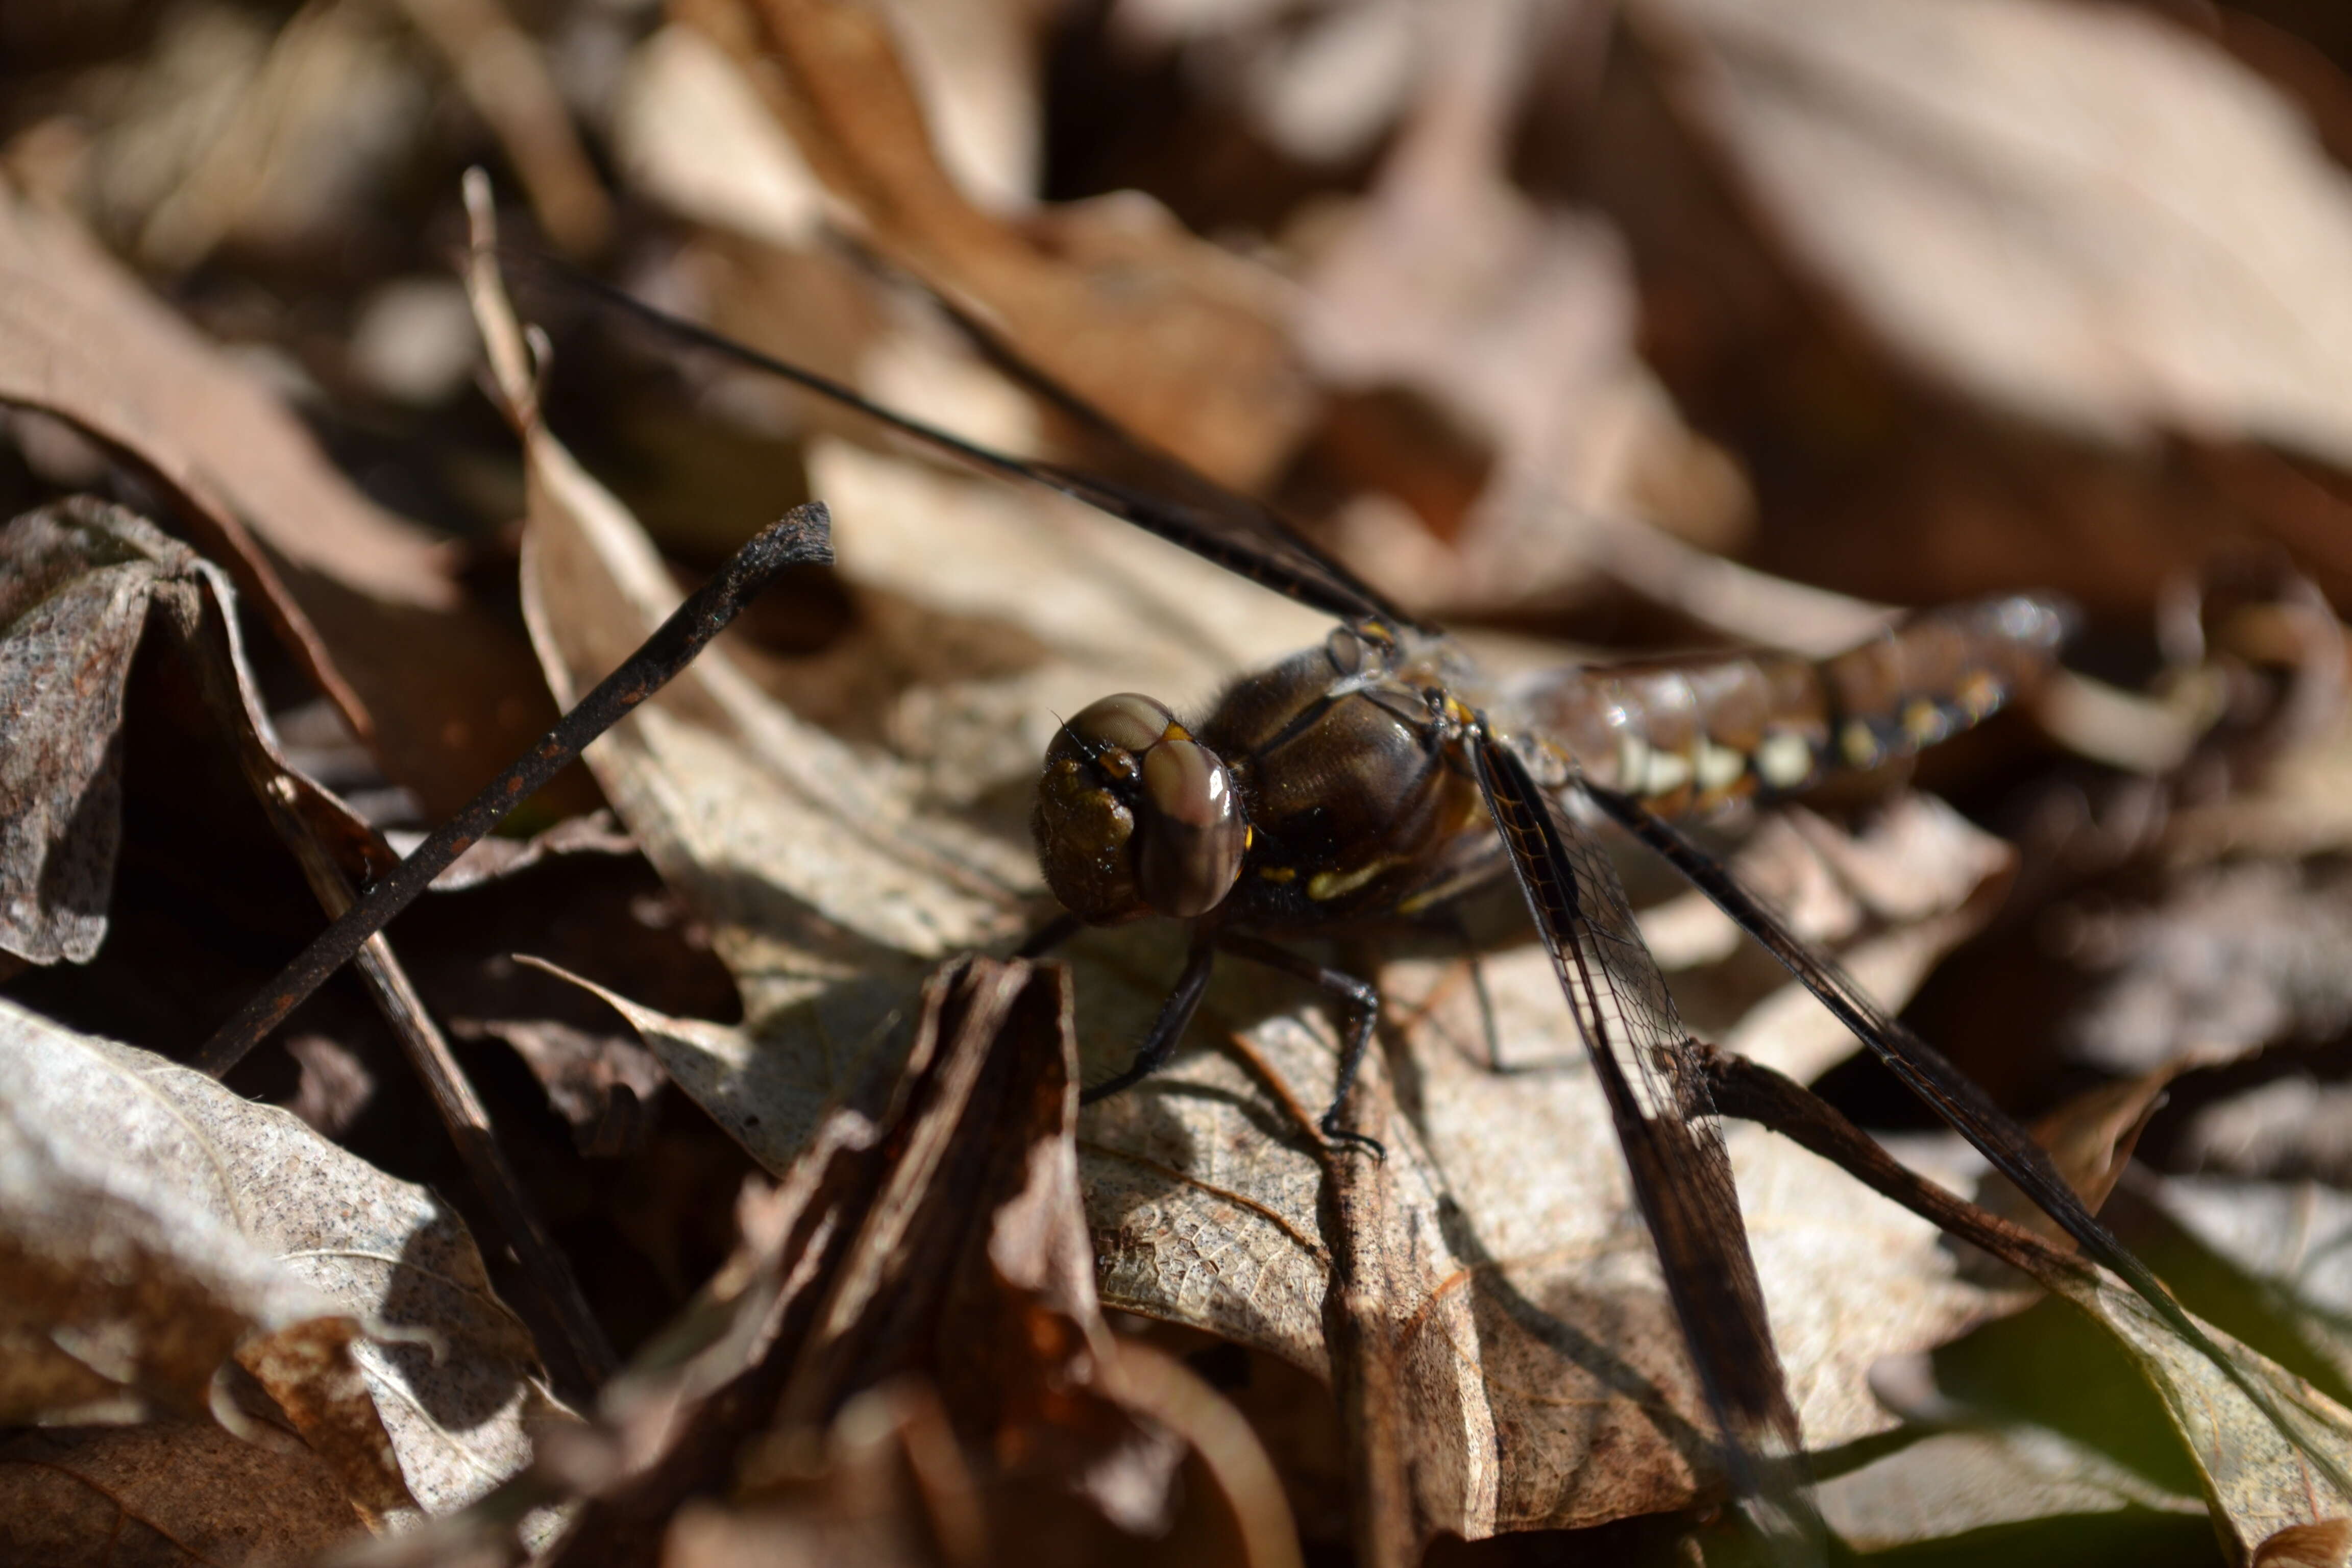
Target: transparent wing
[[1665, 1123]]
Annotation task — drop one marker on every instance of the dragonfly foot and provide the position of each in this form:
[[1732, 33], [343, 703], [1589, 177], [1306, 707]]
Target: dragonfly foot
[[1339, 1137]]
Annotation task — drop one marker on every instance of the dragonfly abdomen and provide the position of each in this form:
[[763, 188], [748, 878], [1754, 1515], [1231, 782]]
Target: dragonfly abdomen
[[1693, 734]]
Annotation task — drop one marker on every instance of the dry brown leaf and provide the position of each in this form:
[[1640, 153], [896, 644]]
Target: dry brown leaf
[[1518, 323], [366, 600], [1172, 336], [2325, 1544], [163, 1225], [2236, 956], [167, 1493], [1526, 1295], [2080, 213]]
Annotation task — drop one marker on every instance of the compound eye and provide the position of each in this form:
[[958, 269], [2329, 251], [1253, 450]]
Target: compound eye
[[1191, 838], [1127, 722], [1345, 649]]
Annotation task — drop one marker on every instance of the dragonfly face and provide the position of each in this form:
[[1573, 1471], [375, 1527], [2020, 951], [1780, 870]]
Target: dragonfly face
[[1136, 817]]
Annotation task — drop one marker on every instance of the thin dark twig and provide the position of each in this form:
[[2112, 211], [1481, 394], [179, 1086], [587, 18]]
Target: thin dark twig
[[573, 1342], [802, 536], [193, 607]]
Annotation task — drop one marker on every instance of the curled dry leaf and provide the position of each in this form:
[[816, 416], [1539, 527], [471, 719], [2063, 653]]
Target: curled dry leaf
[[1174, 337], [368, 601], [81, 578], [159, 1227], [1536, 1337]]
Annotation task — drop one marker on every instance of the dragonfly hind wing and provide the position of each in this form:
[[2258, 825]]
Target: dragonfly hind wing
[[1666, 1123], [1956, 1097]]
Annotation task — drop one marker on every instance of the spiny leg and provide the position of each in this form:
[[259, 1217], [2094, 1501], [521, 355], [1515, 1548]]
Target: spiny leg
[[1169, 1027], [1360, 1009]]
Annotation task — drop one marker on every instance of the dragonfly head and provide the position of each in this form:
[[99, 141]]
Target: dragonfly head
[[1137, 818]]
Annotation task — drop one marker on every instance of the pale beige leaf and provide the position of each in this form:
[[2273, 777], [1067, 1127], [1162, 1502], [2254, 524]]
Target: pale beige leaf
[[2080, 212], [79, 338], [1946, 1484], [170, 1222], [2259, 1479]]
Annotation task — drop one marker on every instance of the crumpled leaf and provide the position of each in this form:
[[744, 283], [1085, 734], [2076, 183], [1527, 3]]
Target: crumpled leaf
[[1173, 337], [87, 575], [360, 597], [68, 630], [1526, 1289], [158, 1224], [2082, 213]]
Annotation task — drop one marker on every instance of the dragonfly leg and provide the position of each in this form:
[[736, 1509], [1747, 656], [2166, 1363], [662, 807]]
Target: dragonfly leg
[[1169, 1027], [1454, 926], [1359, 1005]]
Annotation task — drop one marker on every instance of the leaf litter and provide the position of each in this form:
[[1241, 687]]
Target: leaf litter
[[833, 871]]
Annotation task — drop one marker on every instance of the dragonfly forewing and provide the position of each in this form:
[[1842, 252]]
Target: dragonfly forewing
[[1666, 1124]]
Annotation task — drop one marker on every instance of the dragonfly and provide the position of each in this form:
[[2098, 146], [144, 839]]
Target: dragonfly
[[1383, 776]]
